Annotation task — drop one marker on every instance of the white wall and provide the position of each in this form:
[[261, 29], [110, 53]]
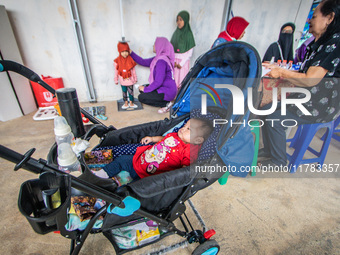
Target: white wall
[[44, 31]]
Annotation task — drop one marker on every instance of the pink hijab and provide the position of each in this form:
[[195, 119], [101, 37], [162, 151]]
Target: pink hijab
[[164, 51]]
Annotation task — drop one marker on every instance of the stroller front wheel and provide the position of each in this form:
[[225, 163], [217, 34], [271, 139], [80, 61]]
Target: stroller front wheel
[[209, 247]]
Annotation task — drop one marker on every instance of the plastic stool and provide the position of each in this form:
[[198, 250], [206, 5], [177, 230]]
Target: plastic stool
[[301, 141], [295, 138], [255, 129], [335, 130], [223, 180]]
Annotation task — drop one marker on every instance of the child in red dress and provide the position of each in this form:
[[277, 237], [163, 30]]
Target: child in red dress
[[126, 74]]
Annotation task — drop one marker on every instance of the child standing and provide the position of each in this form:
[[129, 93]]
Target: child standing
[[183, 42], [126, 74]]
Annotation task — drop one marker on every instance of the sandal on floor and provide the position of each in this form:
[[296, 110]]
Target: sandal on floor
[[163, 110], [101, 117]]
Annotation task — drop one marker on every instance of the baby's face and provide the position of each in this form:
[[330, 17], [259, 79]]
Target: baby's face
[[190, 132]]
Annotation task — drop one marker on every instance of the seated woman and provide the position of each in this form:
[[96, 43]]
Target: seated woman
[[282, 49], [319, 73], [234, 31], [162, 87], [171, 152]]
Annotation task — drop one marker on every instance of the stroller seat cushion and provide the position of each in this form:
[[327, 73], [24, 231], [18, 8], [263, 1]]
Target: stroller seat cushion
[[176, 128], [161, 183], [208, 148]]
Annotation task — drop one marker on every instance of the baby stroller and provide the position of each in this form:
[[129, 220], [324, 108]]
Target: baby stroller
[[160, 198]]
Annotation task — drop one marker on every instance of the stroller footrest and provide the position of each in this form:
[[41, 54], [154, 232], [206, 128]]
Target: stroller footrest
[[131, 205]]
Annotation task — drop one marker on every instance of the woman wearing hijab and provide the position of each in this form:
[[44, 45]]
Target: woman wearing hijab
[[183, 42], [283, 48], [235, 30], [162, 87]]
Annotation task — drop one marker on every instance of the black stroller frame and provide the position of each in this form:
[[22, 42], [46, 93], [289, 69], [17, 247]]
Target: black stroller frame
[[40, 166], [48, 170]]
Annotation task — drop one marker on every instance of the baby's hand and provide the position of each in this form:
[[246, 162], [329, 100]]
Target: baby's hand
[[146, 140]]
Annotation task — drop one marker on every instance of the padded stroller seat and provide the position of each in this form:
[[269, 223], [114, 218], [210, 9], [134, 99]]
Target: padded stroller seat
[[158, 193]]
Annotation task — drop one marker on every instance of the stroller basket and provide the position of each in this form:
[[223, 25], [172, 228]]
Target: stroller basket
[[126, 237], [45, 201]]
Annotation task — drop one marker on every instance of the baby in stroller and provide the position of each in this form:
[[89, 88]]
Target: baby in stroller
[[170, 152]]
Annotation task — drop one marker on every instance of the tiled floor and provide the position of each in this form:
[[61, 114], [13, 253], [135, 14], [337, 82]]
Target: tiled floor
[[283, 214]]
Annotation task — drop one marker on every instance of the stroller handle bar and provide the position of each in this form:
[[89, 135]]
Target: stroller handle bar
[[41, 165], [8, 65]]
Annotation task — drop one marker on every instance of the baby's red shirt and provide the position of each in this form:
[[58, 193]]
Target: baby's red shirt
[[168, 154]]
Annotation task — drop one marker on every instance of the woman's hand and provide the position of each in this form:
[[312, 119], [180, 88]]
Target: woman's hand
[[141, 88], [311, 78], [275, 71]]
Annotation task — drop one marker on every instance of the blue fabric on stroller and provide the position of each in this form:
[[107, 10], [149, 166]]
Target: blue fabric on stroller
[[233, 63]]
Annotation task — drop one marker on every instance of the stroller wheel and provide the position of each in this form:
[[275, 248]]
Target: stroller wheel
[[209, 247]]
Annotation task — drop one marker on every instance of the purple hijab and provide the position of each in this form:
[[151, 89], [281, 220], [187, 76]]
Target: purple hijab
[[164, 51]]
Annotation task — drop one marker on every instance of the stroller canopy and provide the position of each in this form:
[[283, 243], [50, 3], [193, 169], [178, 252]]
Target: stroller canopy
[[233, 63]]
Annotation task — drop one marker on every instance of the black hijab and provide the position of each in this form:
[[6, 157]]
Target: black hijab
[[286, 42]]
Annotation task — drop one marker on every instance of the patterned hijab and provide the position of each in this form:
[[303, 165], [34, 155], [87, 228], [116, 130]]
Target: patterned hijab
[[164, 51], [124, 65], [183, 39]]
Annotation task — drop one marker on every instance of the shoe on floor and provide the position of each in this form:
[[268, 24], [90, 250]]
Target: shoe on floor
[[269, 166], [163, 110], [166, 108], [125, 107], [133, 106], [263, 154], [101, 117]]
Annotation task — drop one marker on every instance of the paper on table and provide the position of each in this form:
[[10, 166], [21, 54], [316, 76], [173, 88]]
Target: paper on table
[[265, 71]]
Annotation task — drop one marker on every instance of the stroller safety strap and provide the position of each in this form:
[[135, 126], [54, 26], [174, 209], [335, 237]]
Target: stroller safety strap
[[131, 205]]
